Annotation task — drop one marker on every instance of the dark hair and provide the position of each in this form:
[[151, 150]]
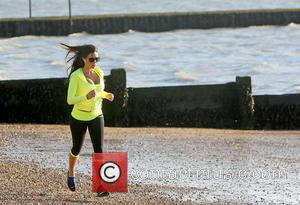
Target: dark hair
[[79, 52]]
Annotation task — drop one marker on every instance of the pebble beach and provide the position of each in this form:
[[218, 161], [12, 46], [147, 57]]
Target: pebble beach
[[26, 180]]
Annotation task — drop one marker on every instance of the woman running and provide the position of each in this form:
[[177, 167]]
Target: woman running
[[85, 92]]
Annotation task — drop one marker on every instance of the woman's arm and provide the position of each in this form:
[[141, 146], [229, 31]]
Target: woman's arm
[[72, 98], [103, 94], [107, 95]]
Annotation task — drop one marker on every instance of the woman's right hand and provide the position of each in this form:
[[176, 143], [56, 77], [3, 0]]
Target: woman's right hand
[[91, 94]]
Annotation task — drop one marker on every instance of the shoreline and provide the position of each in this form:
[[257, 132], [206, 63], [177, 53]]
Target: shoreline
[[23, 180]]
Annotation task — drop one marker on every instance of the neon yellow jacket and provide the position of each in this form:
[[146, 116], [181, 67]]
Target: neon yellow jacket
[[79, 87]]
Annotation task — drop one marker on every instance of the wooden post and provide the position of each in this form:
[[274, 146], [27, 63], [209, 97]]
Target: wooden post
[[246, 102], [70, 16], [29, 8], [70, 10], [115, 112]]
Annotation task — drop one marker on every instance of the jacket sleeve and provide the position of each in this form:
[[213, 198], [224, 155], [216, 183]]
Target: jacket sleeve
[[104, 94], [72, 98]]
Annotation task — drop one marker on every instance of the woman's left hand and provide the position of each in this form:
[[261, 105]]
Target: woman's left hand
[[110, 97]]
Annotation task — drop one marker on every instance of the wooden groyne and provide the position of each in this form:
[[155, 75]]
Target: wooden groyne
[[44, 101], [149, 22], [230, 105]]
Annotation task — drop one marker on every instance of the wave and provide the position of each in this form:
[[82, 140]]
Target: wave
[[185, 76], [293, 24], [58, 62], [84, 33], [3, 75], [132, 31], [262, 68], [27, 37], [255, 71], [129, 66], [297, 88]]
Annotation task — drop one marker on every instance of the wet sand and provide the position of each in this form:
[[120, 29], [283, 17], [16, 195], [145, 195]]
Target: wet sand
[[26, 180]]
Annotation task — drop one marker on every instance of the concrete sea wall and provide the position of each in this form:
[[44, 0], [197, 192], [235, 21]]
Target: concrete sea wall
[[148, 22]]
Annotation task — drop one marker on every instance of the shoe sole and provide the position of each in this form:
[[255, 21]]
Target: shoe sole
[[102, 194]]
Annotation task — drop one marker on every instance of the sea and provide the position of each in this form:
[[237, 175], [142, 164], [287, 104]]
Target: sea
[[268, 54]]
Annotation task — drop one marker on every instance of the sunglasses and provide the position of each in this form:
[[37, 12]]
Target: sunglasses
[[94, 59]]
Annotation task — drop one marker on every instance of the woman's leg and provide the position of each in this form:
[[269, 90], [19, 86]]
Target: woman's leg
[[96, 130], [72, 163], [78, 130], [96, 127]]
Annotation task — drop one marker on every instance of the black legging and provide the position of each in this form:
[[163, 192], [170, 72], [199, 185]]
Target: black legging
[[78, 130]]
